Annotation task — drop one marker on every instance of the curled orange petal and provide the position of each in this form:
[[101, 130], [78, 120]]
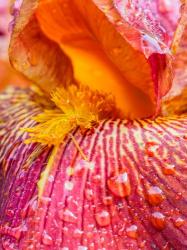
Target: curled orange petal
[[107, 51], [32, 53]]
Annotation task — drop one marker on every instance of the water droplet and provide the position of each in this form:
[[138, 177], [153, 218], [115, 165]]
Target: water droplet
[[77, 233], [92, 246], [119, 185], [45, 200], [108, 200], [70, 171], [67, 216], [132, 231], [103, 218], [169, 169], [47, 240], [150, 148], [51, 178], [178, 196], [82, 248], [142, 244], [9, 212], [116, 51], [89, 235], [155, 195], [80, 168], [167, 246], [179, 222], [158, 220], [89, 194], [91, 166], [65, 230], [68, 185], [97, 178]]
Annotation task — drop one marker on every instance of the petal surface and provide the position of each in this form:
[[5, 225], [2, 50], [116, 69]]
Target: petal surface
[[33, 54], [131, 194]]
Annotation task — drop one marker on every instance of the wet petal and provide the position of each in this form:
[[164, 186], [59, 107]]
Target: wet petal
[[33, 54], [131, 193], [102, 44]]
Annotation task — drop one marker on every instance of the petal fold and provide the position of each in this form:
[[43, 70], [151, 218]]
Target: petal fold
[[106, 42], [33, 54]]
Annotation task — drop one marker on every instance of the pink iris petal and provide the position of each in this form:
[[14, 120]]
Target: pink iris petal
[[130, 195]]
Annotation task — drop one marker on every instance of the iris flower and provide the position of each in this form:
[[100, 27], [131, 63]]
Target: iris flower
[[94, 154]]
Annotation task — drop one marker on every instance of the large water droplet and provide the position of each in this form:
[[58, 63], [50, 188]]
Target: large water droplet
[[67, 215], [119, 184], [155, 195], [103, 218], [158, 220], [46, 239], [132, 231]]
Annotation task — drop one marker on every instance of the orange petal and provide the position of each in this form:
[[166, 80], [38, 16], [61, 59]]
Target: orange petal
[[105, 50], [40, 59], [92, 34], [130, 194]]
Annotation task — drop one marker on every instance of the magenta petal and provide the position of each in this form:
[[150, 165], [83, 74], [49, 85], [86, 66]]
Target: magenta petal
[[131, 195]]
